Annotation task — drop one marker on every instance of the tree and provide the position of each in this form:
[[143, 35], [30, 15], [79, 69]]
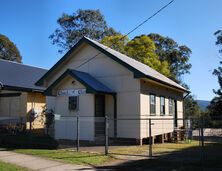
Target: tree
[[117, 42], [90, 23], [191, 107], [177, 56], [170, 55], [215, 107], [142, 48], [8, 50]]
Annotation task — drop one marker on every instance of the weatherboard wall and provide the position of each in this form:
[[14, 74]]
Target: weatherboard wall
[[20, 107], [114, 76], [163, 123]]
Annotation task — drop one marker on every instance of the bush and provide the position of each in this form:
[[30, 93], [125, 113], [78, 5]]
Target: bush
[[28, 141]]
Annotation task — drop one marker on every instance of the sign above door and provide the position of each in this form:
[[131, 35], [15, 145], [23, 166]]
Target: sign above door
[[74, 92]]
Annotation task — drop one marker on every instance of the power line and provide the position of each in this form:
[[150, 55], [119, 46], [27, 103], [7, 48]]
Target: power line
[[150, 17]]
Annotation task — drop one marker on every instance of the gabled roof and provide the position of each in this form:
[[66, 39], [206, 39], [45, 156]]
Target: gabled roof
[[92, 85], [16, 76], [139, 69]]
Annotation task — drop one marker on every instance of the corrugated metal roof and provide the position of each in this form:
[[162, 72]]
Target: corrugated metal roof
[[146, 70], [20, 76], [91, 81]]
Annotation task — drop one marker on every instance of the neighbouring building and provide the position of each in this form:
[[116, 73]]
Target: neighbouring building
[[94, 81], [19, 96]]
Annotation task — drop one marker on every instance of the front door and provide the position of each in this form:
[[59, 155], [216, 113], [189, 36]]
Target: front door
[[99, 115], [175, 114]]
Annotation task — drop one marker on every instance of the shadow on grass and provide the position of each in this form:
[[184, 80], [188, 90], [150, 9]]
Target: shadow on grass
[[191, 158], [27, 141]]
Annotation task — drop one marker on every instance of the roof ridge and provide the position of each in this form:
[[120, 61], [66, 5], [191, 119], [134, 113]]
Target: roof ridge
[[139, 69]]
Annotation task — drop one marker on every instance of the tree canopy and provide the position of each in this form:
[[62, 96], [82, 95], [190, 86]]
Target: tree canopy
[[177, 56], [142, 48], [215, 106], [159, 52], [8, 50], [117, 42], [191, 107], [72, 28]]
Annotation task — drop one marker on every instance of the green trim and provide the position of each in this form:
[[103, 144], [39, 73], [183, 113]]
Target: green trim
[[66, 56], [89, 89], [137, 73], [48, 91]]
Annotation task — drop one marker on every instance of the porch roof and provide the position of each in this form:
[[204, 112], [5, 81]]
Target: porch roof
[[92, 84]]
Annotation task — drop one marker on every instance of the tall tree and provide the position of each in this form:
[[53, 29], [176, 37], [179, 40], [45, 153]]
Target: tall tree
[[215, 107], [142, 48], [169, 54], [72, 28], [177, 56], [8, 50]]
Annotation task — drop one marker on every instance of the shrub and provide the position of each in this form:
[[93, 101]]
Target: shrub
[[28, 141]]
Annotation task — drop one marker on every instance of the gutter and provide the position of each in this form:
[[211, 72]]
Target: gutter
[[186, 95], [15, 88]]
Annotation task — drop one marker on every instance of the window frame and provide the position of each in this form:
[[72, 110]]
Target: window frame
[[153, 113], [164, 109], [172, 100], [70, 105]]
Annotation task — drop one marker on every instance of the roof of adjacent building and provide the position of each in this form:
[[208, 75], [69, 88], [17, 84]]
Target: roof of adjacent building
[[139, 69], [92, 85], [17, 76]]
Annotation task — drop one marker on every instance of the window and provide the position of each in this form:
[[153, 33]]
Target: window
[[162, 105], [152, 104], [73, 103], [171, 106]]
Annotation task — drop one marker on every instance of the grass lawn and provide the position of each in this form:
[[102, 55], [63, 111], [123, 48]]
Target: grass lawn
[[10, 167], [69, 156], [174, 157], [157, 148], [167, 157]]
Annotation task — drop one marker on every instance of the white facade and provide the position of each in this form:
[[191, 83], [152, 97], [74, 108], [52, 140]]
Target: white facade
[[132, 95]]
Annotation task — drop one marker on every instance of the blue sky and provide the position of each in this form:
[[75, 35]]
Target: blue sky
[[28, 23]]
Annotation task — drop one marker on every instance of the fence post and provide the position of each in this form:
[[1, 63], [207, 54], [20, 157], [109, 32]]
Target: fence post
[[106, 135], [202, 140], [77, 133], [150, 139]]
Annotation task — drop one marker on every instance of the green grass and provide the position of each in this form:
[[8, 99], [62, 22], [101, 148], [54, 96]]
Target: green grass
[[172, 157], [69, 156], [157, 148], [169, 156], [10, 167]]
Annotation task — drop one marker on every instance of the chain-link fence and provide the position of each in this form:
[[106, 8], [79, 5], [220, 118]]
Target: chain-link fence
[[158, 134], [184, 141]]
